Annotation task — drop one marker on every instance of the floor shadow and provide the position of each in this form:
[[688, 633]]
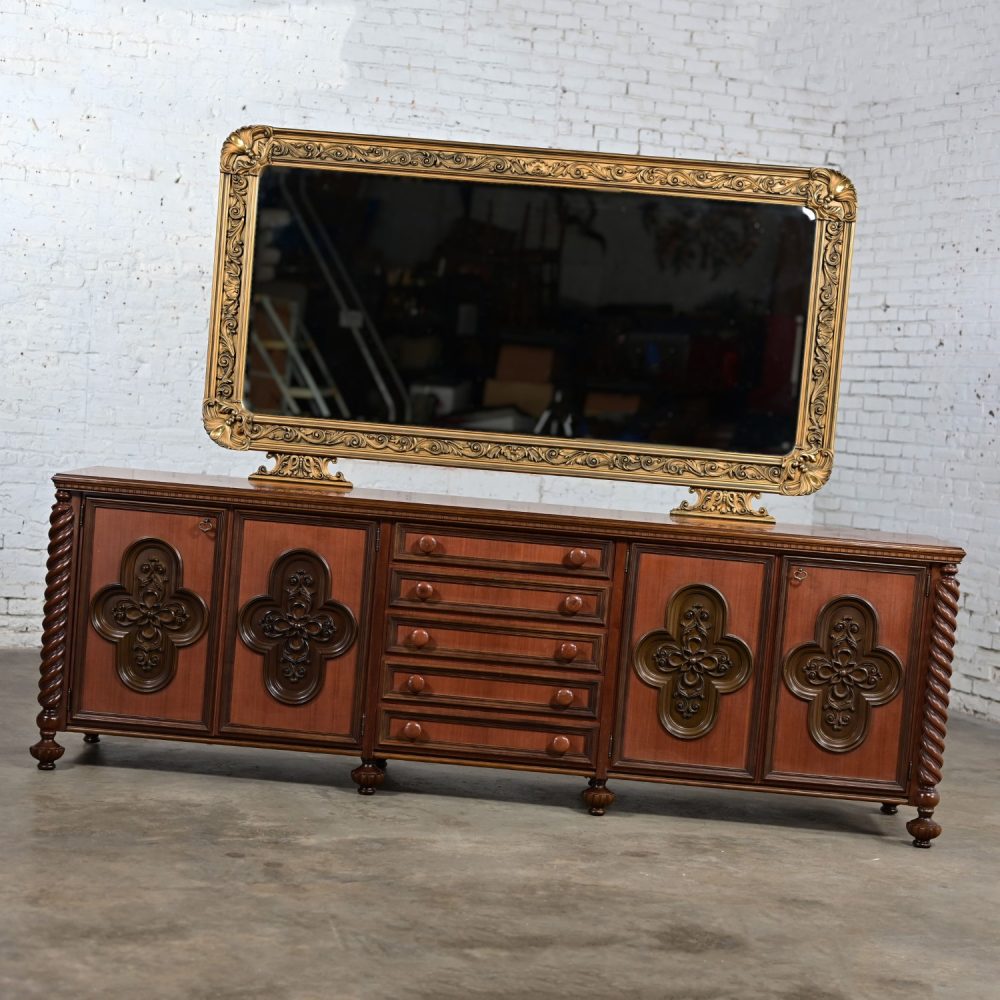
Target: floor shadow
[[462, 782]]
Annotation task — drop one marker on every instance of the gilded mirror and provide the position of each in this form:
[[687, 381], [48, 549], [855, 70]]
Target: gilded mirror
[[528, 310]]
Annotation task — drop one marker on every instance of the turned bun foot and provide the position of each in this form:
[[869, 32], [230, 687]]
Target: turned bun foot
[[924, 828], [46, 751], [368, 777], [889, 809], [91, 737], [597, 796]]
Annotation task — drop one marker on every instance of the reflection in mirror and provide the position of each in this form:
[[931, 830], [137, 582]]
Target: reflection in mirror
[[526, 309]]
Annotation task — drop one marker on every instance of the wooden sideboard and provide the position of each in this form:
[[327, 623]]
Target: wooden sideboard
[[605, 644]]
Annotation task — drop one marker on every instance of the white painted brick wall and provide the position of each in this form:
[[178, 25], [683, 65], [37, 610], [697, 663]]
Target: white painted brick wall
[[112, 115], [918, 442]]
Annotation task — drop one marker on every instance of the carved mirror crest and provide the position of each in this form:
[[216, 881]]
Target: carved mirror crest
[[297, 626], [693, 661], [149, 615], [843, 674]]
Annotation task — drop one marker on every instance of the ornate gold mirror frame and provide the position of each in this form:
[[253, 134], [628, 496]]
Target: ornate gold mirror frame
[[725, 483]]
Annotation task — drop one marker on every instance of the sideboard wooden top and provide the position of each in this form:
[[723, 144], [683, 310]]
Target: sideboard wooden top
[[506, 514]]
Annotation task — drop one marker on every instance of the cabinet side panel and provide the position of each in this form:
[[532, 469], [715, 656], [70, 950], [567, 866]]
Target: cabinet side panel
[[333, 712], [100, 690], [895, 600], [644, 740]]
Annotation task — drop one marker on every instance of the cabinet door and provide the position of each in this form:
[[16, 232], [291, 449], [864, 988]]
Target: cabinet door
[[844, 678], [691, 669], [298, 624], [148, 607]]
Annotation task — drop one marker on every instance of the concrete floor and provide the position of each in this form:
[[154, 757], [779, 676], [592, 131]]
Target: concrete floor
[[154, 870]]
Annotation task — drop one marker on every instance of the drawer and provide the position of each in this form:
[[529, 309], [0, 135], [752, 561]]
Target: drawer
[[438, 638], [499, 596], [435, 684], [575, 557], [496, 738]]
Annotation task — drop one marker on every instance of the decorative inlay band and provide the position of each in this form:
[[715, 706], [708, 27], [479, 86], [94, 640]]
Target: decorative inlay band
[[296, 628], [843, 674], [149, 615], [692, 661]]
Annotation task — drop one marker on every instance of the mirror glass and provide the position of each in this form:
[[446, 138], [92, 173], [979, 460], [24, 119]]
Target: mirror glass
[[526, 309]]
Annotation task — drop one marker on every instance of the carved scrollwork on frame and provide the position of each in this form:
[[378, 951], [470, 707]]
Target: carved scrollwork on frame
[[825, 192], [296, 627], [843, 675], [693, 661], [149, 615]]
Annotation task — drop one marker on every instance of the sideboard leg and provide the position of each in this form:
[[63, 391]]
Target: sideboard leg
[[597, 796], [381, 763], [91, 737], [368, 776], [889, 808], [54, 632], [924, 829]]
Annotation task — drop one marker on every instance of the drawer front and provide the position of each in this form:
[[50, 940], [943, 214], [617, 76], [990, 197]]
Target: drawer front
[[438, 638], [440, 685], [844, 681], [496, 739], [575, 557], [485, 595], [149, 608]]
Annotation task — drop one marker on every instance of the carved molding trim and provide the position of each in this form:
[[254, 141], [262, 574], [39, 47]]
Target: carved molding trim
[[149, 615], [804, 470], [692, 661], [843, 674], [828, 193], [297, 627]]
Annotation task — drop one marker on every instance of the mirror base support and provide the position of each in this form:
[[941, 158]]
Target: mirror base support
[[724, 505], [301, 470]]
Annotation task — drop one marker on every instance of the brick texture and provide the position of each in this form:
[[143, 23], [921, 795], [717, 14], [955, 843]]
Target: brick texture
[[112, 118]]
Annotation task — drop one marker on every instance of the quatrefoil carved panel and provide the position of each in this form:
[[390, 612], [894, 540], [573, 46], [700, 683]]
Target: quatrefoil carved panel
[[692, 661], [297, 627], [843, 674], [149, 615]]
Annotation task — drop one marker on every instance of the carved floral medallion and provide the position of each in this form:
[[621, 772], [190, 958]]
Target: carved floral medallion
[[149, 615], [692, 661], [297, 627], [843, 674]]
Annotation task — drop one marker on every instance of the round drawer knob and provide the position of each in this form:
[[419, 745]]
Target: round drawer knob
[[563, 697], [567, 651], [424, 591], [427, 544], [576, 557], [559, 744], [415, 683], [413, 731], [571, 604], [419, 637]]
